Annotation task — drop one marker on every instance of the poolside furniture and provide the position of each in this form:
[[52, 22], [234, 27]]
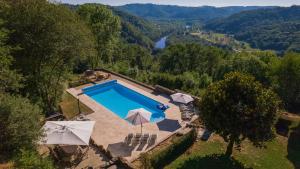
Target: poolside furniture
[[136, 139], [128, 138], [144, 138], [152, 140], [182, 98], [67, 132], [139, 117]]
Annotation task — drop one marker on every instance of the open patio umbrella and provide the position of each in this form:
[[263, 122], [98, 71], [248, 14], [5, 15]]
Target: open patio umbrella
[[138, 117], [182, 98], [67, 132]]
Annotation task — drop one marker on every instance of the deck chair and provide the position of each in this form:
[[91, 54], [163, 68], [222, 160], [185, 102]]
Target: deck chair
[[136, 139], [143, 142], [128, 138], [144, 139], [152, 140]]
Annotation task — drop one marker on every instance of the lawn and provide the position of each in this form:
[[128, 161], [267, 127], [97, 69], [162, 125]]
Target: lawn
[[70, 106], [281, 153]]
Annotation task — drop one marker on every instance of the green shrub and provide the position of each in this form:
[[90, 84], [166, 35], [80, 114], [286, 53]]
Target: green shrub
[[163, 157], [29, 159]]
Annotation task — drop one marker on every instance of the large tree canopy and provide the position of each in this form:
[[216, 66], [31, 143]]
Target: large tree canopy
[[50, 39], [106, 28], [287, 80], [9, 79], [191, 57], [19, 124], [237, 108]]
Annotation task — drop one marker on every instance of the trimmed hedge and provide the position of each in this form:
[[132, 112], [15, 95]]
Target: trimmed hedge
[[163, 157]]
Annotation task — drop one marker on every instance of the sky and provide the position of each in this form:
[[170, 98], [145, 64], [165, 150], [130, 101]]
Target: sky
[[217, 3]]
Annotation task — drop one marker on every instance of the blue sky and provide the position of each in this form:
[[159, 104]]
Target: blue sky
[[193, 2]]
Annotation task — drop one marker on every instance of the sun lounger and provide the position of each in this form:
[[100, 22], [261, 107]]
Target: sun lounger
[[128, 138], [136, 140], [152, 140], [144, 139]]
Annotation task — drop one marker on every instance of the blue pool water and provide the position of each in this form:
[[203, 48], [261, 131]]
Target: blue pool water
[[120, 99]]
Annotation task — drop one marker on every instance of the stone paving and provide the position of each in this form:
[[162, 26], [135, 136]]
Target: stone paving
[[110, 130]]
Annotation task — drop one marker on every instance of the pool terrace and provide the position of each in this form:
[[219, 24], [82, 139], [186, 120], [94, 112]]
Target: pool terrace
[[110, 130]]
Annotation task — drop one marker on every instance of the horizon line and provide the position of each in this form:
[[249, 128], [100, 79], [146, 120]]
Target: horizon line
[[180, 5]]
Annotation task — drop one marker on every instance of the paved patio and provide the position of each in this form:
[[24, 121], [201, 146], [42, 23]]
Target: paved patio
[[110, 130]]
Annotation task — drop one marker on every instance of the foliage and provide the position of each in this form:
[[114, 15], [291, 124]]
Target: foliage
[[237, 108], [164, 156], [191, 57], [244, 62], [275, 28], [137, 30], [19, 124], [286, 80], [9, 79], [105, 27], [28, 159], [51, 39]]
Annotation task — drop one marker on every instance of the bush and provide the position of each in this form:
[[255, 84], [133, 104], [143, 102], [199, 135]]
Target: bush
[[32, 160], [163, 157]]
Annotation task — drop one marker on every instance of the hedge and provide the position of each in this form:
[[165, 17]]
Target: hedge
[[163, 157]]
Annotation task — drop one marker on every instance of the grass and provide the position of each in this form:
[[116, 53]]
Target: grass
[[280, 153], [70, 107]]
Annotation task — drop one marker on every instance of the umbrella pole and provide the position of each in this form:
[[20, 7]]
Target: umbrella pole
[[141, 125]]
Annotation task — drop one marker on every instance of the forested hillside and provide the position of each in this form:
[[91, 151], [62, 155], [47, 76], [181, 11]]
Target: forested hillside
[[133, 29], [277, 29], [137, 30], [165, 12]]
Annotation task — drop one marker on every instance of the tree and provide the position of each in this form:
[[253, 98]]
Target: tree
[[286, 80], [9, 79], [237, 108], [181, 58], [106, 28], [19, 124], [51, 39], [244, 62]]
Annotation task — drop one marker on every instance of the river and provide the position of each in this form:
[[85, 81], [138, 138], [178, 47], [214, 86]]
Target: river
[[161, 43]]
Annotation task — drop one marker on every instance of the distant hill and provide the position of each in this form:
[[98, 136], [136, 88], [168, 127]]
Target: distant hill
[[134, 29], [137, 30], [162, 12], [277, 28]]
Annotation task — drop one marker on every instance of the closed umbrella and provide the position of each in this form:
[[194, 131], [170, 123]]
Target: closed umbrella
[[138, 117], [67, 132], [182, 98]]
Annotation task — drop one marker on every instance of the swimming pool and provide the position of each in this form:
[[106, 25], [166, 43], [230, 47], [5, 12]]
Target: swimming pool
[[120, 99]]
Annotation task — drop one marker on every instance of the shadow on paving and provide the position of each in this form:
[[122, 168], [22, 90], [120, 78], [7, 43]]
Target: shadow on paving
[[120, 149], [293, 147], [168, 125], [214, 161]]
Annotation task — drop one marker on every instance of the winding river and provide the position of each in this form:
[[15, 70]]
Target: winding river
[[161, 43]]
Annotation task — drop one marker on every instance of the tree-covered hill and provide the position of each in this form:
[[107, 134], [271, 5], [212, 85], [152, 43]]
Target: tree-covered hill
[[204, 13], [136, 29], [133, 28], [276, 28]]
